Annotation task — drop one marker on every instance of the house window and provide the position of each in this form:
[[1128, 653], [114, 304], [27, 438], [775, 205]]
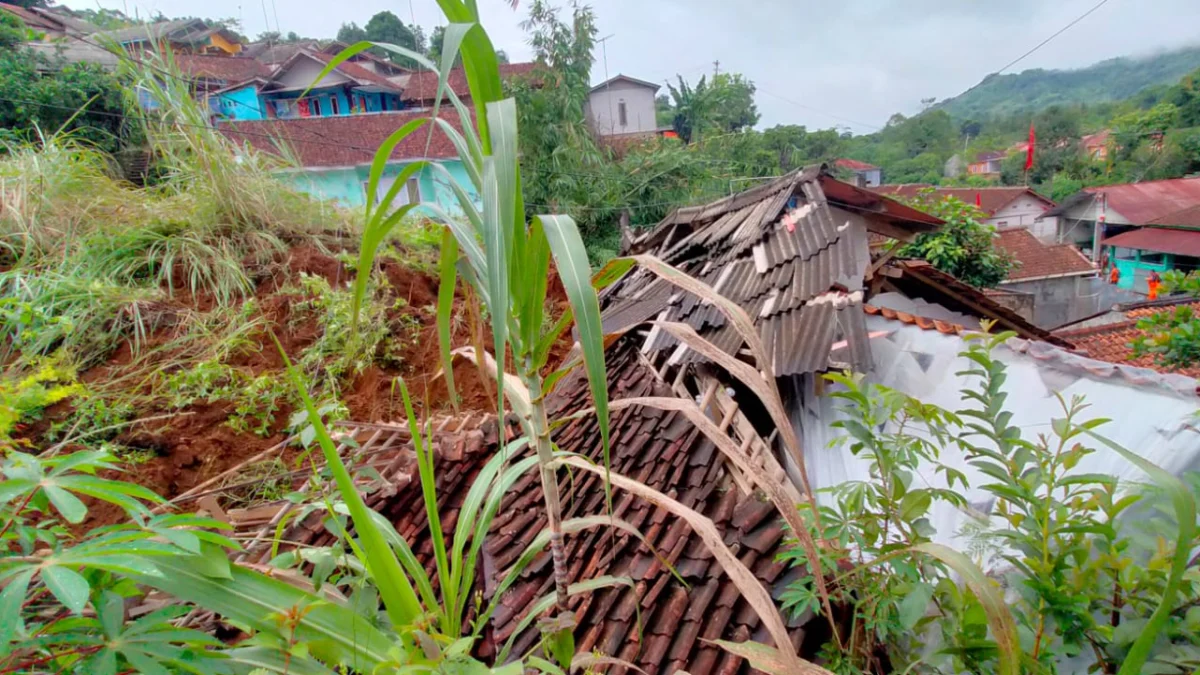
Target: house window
[[409, 194], [1152, 258], [622, 116], [333, 105]]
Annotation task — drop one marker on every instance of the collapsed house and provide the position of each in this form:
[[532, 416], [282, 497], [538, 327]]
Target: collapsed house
[[795, 254]]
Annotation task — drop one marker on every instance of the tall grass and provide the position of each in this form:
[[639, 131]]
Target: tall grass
[[89, 259]]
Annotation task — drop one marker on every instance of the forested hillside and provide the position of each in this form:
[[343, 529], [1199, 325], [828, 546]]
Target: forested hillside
[[1038, 89]]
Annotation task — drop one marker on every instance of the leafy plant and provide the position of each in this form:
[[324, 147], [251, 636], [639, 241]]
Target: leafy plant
[[23, 395], [63, 603], [255, 399], [1061, 537], [899, 437], [963, 246]]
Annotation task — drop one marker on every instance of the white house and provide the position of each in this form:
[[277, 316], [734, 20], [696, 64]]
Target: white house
[[1005, 207], [622, 105]]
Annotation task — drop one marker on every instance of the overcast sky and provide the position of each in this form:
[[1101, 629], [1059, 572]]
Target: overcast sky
[[849, 64]]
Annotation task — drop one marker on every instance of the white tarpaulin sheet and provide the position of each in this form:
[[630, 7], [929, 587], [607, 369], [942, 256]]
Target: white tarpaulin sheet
[[1152, 414]]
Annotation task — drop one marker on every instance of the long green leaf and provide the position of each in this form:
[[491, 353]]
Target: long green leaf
[[479, 63], [570, 257], [373, 236], [255, 600], [497, 270], [447, 280], [397, 592], [999, 619], [1185, 513], [382, 156], [437, 535], [547, 601], [254, 659]]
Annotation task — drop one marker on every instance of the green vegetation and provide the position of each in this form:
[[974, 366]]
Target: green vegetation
[[1037, 89], [44, 95], [181, 268], [1172, 336], [963, 247], [1094, 569]]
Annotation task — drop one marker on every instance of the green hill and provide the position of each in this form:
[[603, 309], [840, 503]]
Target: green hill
[[1037, 89]]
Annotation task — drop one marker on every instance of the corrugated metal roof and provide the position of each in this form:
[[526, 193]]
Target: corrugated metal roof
[[1159, 202], [1159, 240]]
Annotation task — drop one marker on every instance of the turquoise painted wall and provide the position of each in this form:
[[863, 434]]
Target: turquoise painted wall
[[347, 186], [1134, 272], [242, 104]]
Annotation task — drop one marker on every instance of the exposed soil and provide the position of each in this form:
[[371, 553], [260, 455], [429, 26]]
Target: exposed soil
[[196, 444]]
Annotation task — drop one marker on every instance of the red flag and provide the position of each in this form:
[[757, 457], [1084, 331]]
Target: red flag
[[978, 200], [1029, 150]]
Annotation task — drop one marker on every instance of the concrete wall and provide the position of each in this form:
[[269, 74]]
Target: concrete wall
[[1024, 212], [347, 185], [242, 104], [1066, 299], [603, 107]]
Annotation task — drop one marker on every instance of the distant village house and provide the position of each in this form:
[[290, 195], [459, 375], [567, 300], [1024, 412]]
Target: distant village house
[[1138, 227], [865, 175]]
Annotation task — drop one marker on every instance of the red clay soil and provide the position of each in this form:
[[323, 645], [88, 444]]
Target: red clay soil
[[197, 444]]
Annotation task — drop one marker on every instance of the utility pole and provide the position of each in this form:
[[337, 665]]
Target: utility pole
[[716, 67], [607, 80]]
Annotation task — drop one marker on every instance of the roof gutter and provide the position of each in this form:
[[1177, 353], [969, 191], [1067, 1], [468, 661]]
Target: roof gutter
[[1048, 276]]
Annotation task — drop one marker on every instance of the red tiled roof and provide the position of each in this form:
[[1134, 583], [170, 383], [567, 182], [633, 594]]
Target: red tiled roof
[[1112, 342], [1159, 240], [31, 19], [680, 599], [228, 68], [992, 199], [1037, 260], [347, 140], [1160, 202], [1097, 139], [914, 320], [854, 165], [422, 86]]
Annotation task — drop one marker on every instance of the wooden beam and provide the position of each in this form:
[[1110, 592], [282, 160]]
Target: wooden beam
[[983, 311]]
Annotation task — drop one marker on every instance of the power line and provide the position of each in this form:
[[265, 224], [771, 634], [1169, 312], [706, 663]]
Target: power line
[[1058, 32], [1039, 45]]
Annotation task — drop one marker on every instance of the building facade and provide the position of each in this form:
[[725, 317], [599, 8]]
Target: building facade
[[622, 105]]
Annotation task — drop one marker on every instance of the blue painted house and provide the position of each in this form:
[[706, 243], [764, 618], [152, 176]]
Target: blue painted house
[[334, 153], [292, 91]]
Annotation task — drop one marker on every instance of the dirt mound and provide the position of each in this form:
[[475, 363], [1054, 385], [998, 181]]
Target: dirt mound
[[196, 444]]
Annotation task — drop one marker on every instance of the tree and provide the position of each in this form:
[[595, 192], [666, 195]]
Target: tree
[[387, 27], [735, 109], [963, 246], [13, 31], [351, 33], [695, 108], [41, 94], [269, 36]]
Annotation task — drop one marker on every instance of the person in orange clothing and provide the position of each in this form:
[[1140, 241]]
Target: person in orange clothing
[[1152, 283], [1114, 276]]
